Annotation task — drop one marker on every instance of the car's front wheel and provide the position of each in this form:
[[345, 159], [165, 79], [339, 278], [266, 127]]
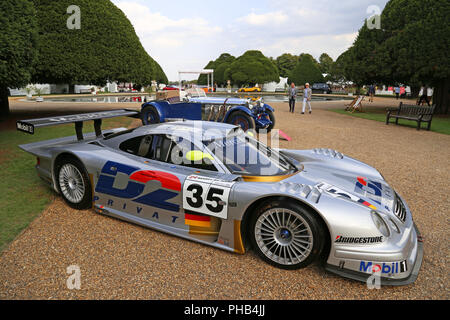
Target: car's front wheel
[[73, 183], [286, 234], [242, 119]]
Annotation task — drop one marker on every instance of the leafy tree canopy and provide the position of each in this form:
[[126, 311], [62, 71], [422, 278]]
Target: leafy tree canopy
[[18, 46], [286, 63], [326, 62], [252, 68], [410, 48], [106, 46], [18, 42], [219, 65], [306, 70]]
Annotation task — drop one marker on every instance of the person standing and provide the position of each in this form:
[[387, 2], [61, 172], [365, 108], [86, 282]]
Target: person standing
[[402, 92], [424, 96], [371, 92], [397, 91], [430, 93], [292, 92], [307, 98]]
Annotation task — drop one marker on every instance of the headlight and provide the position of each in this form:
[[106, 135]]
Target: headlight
[[394, 225], [380, 224]]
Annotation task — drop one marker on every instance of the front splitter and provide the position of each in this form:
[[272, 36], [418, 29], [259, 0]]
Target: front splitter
[[363, 277]]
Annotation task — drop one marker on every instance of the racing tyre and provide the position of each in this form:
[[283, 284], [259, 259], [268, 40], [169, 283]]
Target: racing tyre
[[73, 183], [149, 115], [242, 119], [286, 234]]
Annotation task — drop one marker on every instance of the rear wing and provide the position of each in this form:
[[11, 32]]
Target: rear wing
[[29, 126]]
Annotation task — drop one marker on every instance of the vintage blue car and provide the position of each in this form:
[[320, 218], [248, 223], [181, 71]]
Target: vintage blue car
[[245, 113]]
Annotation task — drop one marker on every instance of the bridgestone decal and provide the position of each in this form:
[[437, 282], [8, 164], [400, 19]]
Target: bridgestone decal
[[361, 240]]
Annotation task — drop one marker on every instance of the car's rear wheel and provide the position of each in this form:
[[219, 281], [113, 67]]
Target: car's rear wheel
[[149, 115], [286, 234], [73, 183], [242, 119]]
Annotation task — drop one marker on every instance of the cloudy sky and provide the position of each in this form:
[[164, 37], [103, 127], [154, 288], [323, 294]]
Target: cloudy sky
[[186, 35]]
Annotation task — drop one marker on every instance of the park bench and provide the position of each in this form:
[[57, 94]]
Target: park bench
[[411, 112]]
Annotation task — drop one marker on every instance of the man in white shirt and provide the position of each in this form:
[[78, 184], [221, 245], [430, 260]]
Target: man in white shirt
[[307, 98]]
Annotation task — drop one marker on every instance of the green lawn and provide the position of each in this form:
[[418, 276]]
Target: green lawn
[[439, 124], [23, 196]]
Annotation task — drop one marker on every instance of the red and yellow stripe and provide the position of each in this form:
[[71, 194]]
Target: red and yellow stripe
[[196, 220]]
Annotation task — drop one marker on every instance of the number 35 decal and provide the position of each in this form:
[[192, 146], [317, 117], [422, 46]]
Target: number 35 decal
[[204, 195]]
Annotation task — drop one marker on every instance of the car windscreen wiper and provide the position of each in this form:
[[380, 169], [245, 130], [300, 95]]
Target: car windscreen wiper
[[240, 172]]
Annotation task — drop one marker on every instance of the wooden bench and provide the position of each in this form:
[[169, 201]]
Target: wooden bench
[[411, 112]]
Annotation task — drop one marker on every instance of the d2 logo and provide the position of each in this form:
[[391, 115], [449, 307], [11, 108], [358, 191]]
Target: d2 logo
[[371, 187], [136, 185]]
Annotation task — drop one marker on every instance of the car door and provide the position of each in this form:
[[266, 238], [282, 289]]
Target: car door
[[132, 185], [164, 181], [204, 192]]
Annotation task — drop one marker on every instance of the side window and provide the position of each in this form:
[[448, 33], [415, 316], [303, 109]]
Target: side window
[[131, 145], [162, 146], [139, 146], [170, 150]]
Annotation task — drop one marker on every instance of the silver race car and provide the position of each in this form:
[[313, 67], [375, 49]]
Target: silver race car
[[214, 184]]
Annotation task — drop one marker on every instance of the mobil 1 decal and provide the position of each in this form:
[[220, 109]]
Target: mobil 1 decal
[[206, 195]]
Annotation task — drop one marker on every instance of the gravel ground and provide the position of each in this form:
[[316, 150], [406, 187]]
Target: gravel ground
[[119, 260]]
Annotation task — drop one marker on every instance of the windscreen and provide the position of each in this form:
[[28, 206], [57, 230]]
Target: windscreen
[[244, 155]]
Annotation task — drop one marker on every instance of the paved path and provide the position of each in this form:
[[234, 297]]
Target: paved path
[[121, 260]]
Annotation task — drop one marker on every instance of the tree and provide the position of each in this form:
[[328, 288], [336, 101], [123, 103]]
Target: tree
[[219, 66], [410, 48], [306, 70], [309, 56], [252, 68], [286, 63], [18, 46], [106, 46], [326, 63], [337, 73], [203, 78]]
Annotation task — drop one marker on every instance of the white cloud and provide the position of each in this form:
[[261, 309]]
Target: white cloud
[[189, 41], [171, 42], [332, 44], [264, 19], [149, 23]]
